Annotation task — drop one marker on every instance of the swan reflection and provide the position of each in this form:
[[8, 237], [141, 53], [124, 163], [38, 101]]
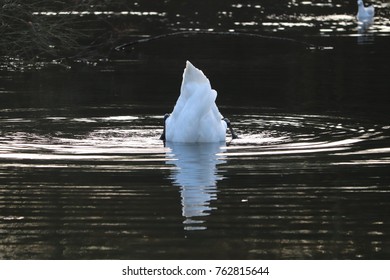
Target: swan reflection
[[364, 34], [196, 174], [365, 18]]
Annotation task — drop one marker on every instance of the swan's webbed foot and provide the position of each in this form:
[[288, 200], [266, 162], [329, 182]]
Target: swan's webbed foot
[[229, 125], [162, 137]]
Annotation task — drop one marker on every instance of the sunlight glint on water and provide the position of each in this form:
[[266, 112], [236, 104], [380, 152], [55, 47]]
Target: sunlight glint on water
[[284, 175], [80, 182]]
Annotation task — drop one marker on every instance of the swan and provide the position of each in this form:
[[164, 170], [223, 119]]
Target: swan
[[195, 117], [364, 13]]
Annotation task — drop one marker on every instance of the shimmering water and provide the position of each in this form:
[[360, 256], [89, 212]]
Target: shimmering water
[[83, 174], [102, 185]]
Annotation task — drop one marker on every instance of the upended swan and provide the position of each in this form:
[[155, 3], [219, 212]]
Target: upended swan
[[364, 13], [195, 117]]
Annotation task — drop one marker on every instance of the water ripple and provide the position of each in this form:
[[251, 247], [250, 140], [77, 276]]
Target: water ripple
[[291, 179]]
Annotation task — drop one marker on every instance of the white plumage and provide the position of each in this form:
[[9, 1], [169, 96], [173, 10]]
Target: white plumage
[[365, 13], [195, 117]]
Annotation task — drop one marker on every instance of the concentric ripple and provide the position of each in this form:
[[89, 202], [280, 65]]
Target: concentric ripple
[[102, 184]]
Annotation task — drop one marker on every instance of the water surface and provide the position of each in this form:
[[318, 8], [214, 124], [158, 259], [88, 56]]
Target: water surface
[[83, 174], [104, 186]]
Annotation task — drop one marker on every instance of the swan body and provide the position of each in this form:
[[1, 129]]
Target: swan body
[[195, 117], [365, 13]]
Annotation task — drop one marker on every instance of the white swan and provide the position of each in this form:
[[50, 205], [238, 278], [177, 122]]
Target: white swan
[[195, 117], [365, 13]]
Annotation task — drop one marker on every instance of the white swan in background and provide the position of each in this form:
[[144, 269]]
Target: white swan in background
[[365, 13], [195, 117]]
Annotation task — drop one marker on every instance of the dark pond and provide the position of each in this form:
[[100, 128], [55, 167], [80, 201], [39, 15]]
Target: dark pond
[[83, 174]]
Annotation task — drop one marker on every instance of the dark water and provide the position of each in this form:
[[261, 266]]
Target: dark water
[[84, 176]]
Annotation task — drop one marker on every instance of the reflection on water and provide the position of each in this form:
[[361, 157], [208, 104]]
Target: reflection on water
[[334, 17], [100, 186], [196, 173], [364, 34], [83, 174]]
